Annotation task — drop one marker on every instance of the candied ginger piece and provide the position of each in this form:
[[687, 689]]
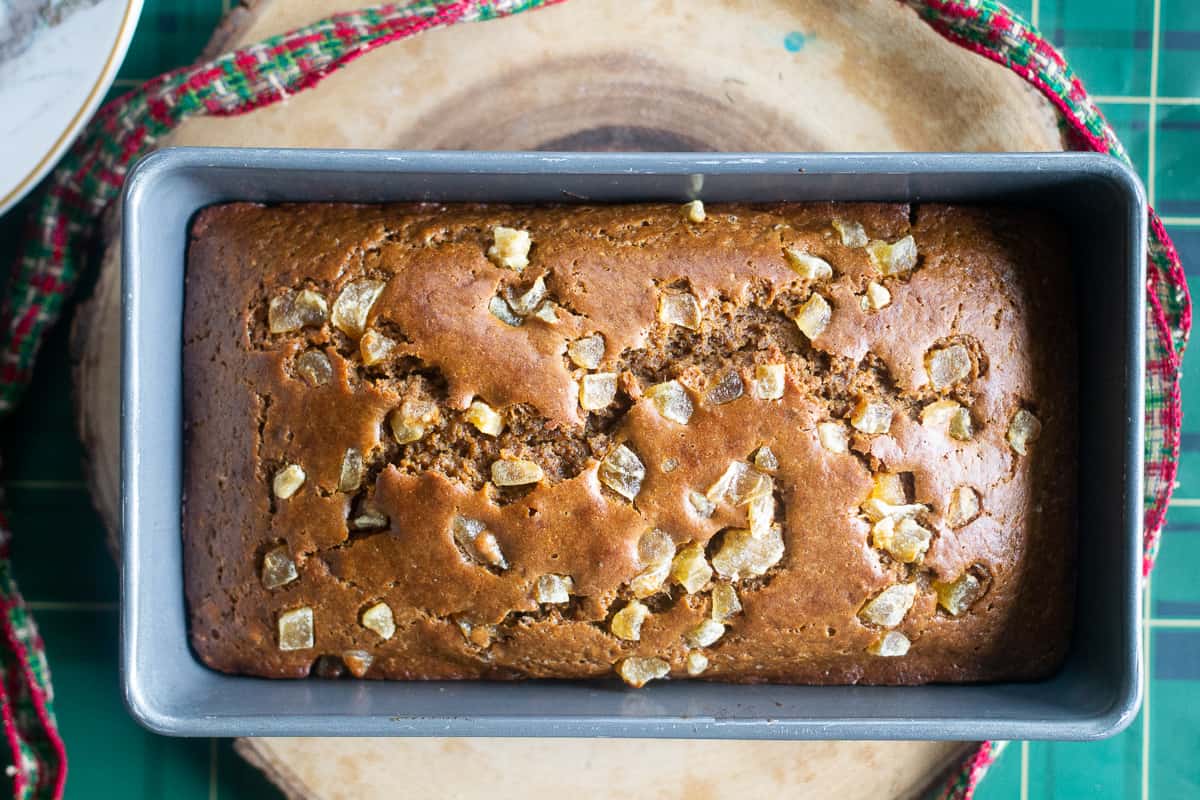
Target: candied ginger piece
[[957, 596], [378, 618], [477, 543], [588, 351], [638, 671], [726, 389], [554, 588], [516, 472], [525, 304], [903, 539], [887, 609], [597, 390], [351, 474], [963, 506], [1024, 429], [296, 629], [769, 381], [278, 569], [622, 471], [813, 316], [679, 308], [484, 418], [354, 304], [892, 259], [947, 366], [656, 551], [671, 401], [694, 211], [852, 233], [288, 481], [877, 296], [510, 248], [294, 310], [357, 662], [690, 569], [725, 602], [808, 266], [833, 437], [745, 554], [890, 644], [500, 309], [627, 623], [706, 633], [411, 421], [871, 416], [314, 367], [375, 348], [701, 504]]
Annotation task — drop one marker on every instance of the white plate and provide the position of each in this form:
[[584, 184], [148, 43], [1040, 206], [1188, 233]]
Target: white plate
[[52, 78]]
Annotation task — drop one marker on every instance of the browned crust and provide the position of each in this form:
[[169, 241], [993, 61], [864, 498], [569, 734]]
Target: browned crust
[[994, 278]]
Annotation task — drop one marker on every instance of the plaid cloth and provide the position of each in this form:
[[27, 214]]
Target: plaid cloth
[[90, 177]]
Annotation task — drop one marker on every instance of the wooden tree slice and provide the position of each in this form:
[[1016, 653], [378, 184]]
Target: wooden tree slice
[[598, 769], [654, 74], [601, 75]]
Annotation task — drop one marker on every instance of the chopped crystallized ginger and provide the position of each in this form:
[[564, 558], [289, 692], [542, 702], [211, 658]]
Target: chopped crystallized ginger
[[813, 317], [745, 554], [891, 259], [554, 589], [484, 418], [957, 596], [314, 367], [769, 381], [351, 475], [354, 304], [963, 506], [510, 248], [947, 366], [679, 308], [278, 569], [622, 471], [375, 348], [597, 390], [808, 266], [627, 623], [587, 352], [871, 416], [887, 609], [890, 644], [296, 629], [671, 401], [288, 481], [690, 569], [725, 602], [378, 618], [697, 662], [294, 310], [852, 233], [694, 211], [706, 633], [637, 671], [1024, 429]]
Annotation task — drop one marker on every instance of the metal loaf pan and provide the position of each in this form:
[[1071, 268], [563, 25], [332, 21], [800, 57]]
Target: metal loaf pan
[[1096, 693]]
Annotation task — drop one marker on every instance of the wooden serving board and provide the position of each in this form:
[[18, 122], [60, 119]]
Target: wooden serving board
[[602, 75]]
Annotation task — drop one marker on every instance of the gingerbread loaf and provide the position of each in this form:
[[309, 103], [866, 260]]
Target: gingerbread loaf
[[799, 443]]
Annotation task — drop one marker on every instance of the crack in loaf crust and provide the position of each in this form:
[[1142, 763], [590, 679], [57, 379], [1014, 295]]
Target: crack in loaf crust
[[993, 281]]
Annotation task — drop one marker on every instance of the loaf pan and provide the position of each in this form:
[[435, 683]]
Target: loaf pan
[[1096, 693]]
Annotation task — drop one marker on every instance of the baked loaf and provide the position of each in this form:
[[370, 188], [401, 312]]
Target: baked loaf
[[801, 443]]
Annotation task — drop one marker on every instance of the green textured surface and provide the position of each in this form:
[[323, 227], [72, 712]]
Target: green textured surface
[[65, 571]]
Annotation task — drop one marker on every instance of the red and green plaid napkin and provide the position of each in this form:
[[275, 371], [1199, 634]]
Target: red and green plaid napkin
[[90, 177]]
